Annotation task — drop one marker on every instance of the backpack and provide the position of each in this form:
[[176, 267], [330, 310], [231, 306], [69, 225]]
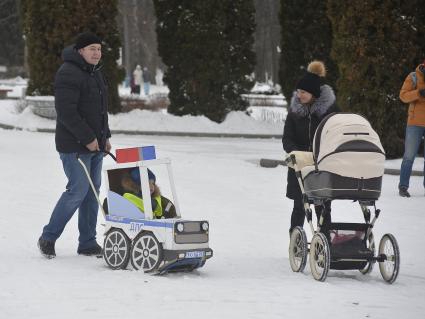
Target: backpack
[[414, 79]]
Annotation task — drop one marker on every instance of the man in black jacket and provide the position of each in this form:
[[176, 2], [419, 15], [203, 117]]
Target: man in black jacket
[[81, 128]]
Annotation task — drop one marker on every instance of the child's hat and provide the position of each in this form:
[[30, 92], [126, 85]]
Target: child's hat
[[135, 175]]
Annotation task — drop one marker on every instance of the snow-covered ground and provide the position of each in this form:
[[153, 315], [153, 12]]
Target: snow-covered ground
[[249, 275], [17, 86]]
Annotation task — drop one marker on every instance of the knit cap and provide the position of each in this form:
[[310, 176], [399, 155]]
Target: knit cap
[[311, 81], [85, 39]]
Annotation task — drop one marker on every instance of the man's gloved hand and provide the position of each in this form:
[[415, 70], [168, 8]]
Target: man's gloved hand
[[422, 92]]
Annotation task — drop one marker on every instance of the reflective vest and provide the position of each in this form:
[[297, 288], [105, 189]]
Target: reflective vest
[[138, 201]]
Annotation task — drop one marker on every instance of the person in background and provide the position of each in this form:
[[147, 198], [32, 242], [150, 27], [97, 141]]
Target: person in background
[[132, 85], [137, 79], [81, 129], [412, 92], [311, 102], [146, 80]]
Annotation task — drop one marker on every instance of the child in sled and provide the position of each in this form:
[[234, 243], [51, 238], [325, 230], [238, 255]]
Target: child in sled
[[162, 207]]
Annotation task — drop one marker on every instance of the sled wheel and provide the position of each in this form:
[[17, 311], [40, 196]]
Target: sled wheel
[[390, 267], [116, 249], [146, 252], [370, 244], [319, 257], [298, 249]]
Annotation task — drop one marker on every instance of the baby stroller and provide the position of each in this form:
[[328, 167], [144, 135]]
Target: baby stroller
[[347, 162]]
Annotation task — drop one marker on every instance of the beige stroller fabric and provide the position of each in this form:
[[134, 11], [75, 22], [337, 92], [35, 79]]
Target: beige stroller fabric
[[346, 128]]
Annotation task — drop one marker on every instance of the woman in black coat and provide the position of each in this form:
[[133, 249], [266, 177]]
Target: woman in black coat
[[309, 105]]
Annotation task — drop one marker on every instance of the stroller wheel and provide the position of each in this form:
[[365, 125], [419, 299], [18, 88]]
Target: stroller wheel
[[116, 249], [298, 249], [146, 252], [390, 267], [319, 257], [370, 244]]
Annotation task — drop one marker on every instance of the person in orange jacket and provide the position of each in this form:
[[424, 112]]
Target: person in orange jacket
[[412, 92]]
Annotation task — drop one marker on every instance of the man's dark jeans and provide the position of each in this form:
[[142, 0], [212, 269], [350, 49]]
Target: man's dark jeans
[[78, 195], [412, 142]]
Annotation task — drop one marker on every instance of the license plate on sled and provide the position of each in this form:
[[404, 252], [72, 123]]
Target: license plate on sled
[[194, 254]]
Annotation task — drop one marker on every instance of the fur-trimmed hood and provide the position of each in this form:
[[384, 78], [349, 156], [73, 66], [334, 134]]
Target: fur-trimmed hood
[[320, 105]]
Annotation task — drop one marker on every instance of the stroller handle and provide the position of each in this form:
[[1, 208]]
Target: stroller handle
[[89, 178], [103, 151], [110, 154], [290, 160]]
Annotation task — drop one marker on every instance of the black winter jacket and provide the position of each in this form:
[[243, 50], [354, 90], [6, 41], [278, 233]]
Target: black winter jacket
[[300, 126], [81, 102]]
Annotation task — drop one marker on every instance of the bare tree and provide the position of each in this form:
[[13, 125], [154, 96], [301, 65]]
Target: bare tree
[[11, 42], [267, 40], [137, 25]]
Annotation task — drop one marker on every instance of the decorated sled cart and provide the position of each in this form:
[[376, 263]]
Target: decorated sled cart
[[150, 243]]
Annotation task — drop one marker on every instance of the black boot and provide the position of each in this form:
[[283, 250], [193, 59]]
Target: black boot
[[92, 251], [402, 191], [47, 248]]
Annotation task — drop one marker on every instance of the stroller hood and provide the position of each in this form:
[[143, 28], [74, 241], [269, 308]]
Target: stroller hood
[[346, 144]]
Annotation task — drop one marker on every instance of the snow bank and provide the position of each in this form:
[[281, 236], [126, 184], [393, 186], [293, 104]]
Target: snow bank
[[143, 120]]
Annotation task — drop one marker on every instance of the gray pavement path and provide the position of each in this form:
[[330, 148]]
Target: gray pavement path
[[270, 163]]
